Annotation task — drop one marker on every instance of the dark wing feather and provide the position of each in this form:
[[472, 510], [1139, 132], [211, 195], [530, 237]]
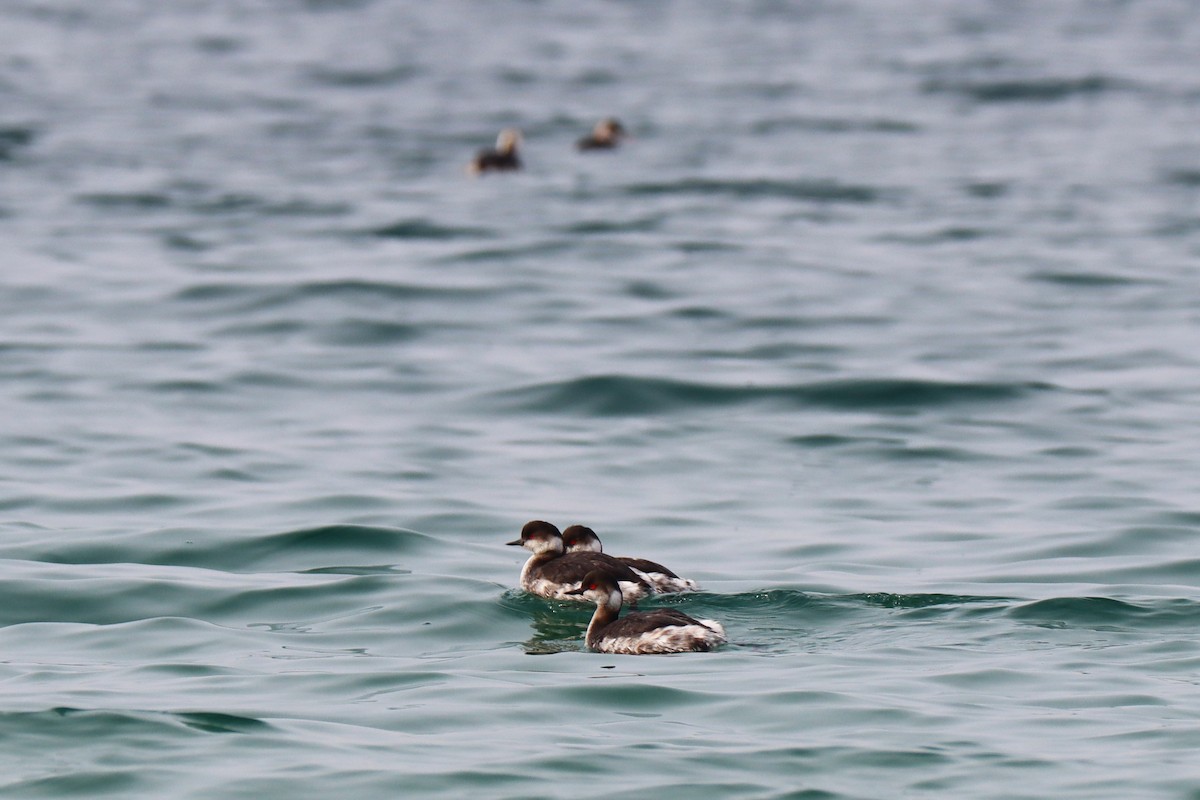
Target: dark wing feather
[[491, 159], [573, 567], [636, 622], [592, 143]]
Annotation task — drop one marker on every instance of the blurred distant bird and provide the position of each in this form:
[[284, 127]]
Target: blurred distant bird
[[503, 158], [605, 136]]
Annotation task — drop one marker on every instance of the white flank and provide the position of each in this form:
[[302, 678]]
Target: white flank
[[671, 639], [665, 584], [544, 587]]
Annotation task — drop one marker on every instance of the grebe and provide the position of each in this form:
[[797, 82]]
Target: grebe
[[582, 539], [503, 158], [663, 630], [551, 572], [607, 134]]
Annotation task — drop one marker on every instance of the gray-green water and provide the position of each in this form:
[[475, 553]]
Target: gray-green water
[[884, 328]]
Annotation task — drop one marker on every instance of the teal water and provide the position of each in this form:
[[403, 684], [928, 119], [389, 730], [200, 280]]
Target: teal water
[[884, 328]]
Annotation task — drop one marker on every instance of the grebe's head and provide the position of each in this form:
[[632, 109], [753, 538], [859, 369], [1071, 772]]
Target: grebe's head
[[609, 130], [581, 539], [508, 141], [540, 537], [601, 588]]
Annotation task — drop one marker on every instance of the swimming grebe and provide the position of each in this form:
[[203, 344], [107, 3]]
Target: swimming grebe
[[663, 630], [503, 158], [582, 539], [607, 134], [551, 572]]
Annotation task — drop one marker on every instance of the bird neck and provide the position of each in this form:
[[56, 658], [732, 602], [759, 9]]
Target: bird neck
[[537, 560], [606, 614]]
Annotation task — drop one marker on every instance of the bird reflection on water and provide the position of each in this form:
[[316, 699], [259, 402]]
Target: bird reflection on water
[[557, 628]]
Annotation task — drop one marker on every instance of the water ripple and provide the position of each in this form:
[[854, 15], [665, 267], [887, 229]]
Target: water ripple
[[1091, 612], [622, 395], [809, 190], [13, 138], [241, 297], [421, 228], [1035, 89]]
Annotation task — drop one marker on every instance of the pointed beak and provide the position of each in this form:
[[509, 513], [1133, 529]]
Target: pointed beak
[[575, 591], [518, 543]]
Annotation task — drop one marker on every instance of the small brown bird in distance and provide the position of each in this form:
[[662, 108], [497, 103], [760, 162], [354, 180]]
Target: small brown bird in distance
[[607, 134]]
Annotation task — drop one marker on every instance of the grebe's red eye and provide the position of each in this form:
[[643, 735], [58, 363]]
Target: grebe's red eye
[[592, 586]]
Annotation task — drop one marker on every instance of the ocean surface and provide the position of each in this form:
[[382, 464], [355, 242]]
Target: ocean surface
[[884, 327]]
